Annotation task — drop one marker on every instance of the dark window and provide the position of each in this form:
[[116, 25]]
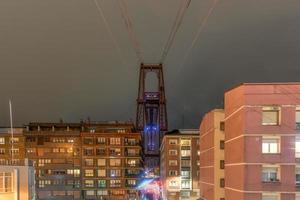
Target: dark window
[[222, 164], [222, 182], [40, 140], [222, 144], [222, 126]]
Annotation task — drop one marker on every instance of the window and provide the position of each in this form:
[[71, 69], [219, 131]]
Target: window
[[6, 181], [101, 151], [132, 152], [115, 172], [270, 144], [297, 118], [298, 175], [15, 140], [222, 164], [115, 141], [222, 126], [76, 172], [185, 163], [115, 183], [101, 172], [70, 140], [270, 196], [185, 153], [88, 151], [42, 162], [101, 162], [115, 162], [88, 140], [173, 173], [131, 182], [2, 140], [222, 144], [102, 192], [185, 174], [270, 115], [173, 183], [14, 151], [89, 162], [2, 151], [185, 184], [185, 142], [115, 151], [89, 192], [89, 183], [172, 152], [173, 141], [101, 140], [89, 172], [297, 147], [222, 182], [172, 162], [270, 173], [42, 183], [102, 183]]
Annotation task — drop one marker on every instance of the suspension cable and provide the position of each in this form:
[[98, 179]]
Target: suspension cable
[[101, 13], [184, 4], [129, 26]]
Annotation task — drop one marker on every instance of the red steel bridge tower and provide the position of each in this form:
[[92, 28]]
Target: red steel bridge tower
[[151, 116]]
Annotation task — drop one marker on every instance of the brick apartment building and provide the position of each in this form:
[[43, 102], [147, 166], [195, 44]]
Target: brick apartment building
[[87, 160], [262, 142], [180, 165], [212, 156]]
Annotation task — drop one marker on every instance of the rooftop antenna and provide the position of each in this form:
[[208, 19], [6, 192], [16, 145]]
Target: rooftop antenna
[[11, 131]]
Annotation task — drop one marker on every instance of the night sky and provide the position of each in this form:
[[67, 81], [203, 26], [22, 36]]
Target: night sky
[[58, 60]]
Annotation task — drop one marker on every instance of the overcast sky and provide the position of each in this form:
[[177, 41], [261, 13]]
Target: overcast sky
[[58, 60]]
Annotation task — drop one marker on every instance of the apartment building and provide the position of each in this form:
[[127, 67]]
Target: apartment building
[[212, 162], [262, 142], [111, 162], [87, 160], [17, 181], [179, 168], [55, 150]]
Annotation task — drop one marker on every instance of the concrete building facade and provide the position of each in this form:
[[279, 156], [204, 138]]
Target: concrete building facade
[[212, 162], [17, 181], [262, 143], [180, 165]]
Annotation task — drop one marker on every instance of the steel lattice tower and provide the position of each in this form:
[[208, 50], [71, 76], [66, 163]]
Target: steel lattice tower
[[151, 115]]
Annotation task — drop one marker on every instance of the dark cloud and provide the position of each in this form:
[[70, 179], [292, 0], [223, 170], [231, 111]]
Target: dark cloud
[[58, 60]]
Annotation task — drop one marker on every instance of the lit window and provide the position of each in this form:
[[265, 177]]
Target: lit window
[[298, 175], [270, 173], [185, 163], [115, 141], [185, 184], [89, 172], [2, 140], [185, 142], [115, 162], [15, 140], [2, 151], [172, 141], [90, 192], [102, 183], [101, 140], [270, 115], [270, 144], [14, 151], [101, 162], [185, 153], [173, 173], [102, 192], [89, 162], [115, 172], [42, 162], [270, 196], [173, 184], [6, 182], [89, 183], [172, 162], [297, 147], [172, 152], [131, 182], [101, 172], [115, 183], [185, 174]]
